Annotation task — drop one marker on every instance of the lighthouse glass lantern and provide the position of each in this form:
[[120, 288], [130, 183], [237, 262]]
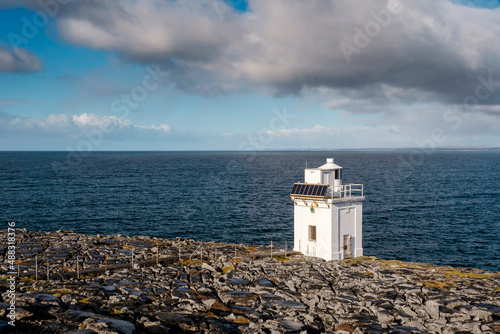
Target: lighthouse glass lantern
[[327, 214]]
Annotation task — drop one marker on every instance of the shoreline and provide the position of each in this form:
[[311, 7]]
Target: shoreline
[[146, 289]]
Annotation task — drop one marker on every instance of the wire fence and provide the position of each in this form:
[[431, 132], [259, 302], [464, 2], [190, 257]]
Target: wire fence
[[39, 261]]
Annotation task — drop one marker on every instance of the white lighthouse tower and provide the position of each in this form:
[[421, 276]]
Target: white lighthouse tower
[[328, 214]]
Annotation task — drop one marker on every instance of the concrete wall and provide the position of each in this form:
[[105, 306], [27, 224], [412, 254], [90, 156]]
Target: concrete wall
[[312, 176], [321, 218]]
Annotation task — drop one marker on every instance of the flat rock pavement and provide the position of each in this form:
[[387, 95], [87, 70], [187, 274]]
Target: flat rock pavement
[[147, 289]]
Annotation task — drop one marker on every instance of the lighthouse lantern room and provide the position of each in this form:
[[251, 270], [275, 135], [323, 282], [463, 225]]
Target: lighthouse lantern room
[[327, 214]]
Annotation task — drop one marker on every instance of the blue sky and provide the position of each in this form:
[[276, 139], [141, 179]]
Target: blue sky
[[216, 75]]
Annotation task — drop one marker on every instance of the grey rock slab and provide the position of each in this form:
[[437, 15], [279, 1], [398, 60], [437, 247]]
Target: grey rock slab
[[120, 326], [477, 314], [265, 282], [238, 281], [290, 304], [3, 307], [82, 314], [45, 297], [22, 313], [67, 298], [291, 326], [208, 267]]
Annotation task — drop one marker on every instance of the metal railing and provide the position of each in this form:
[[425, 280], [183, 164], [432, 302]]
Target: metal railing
[[349, 191]]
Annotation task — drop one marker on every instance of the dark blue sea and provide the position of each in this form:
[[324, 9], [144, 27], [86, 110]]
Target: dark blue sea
[[438, 207]]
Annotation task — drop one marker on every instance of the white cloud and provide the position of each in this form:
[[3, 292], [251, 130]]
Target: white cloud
[[77, 125], [162, 127], [93, 120]]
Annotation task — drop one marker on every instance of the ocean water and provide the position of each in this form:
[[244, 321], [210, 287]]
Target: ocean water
[[441, 208]]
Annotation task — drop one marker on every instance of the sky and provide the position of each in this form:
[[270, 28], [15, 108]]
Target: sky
[[94, 75]]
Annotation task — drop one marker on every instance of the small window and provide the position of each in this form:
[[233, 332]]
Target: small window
[[312, 233], [337, 174]]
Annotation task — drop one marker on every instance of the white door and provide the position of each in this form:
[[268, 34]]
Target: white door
[[347, 219]]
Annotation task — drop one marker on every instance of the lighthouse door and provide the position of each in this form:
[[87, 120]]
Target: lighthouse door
[[347, 246], [346, 231]]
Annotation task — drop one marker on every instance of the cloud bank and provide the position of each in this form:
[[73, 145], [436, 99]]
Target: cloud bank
[[382, 51], [79, 126]]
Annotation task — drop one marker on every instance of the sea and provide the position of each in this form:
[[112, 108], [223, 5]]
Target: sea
[[433, 206]]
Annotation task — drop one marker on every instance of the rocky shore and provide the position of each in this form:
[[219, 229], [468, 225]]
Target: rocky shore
[[117, 284]]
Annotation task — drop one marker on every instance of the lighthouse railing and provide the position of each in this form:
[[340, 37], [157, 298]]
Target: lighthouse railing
[[350, 191]]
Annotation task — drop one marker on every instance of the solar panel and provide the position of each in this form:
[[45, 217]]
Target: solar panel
[[309, 190], [315, 190]]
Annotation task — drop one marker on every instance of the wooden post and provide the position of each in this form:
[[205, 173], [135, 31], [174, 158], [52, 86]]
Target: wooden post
[[105, 261], [36, 267], [253, 251], [48, 270]]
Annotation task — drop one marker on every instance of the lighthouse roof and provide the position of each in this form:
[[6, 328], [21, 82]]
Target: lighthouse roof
[[329, 165]]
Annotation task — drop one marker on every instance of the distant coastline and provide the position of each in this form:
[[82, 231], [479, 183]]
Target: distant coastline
[[382, 149]]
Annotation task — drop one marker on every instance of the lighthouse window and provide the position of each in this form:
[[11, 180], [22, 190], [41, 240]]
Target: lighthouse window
[[312, 233], [337, 174]]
